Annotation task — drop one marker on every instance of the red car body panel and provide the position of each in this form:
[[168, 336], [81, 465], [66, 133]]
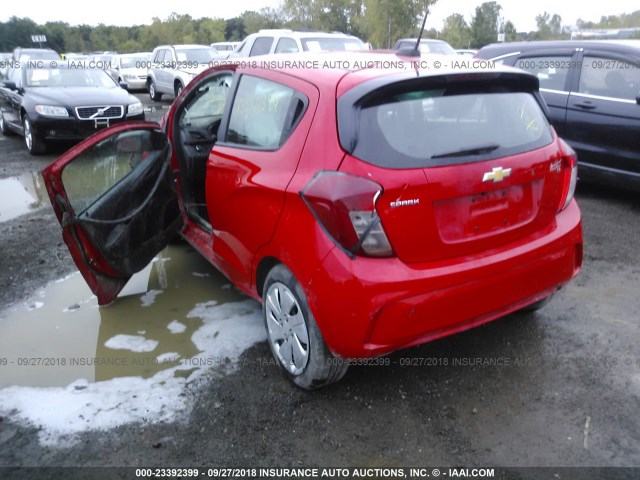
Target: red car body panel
[[393, 305], [485, 214], [252, 181]]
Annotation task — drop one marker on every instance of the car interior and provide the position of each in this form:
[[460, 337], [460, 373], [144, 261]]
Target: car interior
[[197, 129]]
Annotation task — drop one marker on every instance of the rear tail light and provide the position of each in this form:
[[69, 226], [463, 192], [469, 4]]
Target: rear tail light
[[570, 172], [345, 206]]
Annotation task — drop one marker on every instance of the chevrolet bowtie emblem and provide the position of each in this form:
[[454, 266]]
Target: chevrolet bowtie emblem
[[497, 174]]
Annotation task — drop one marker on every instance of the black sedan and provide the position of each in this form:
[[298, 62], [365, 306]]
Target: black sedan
[[45, 104]]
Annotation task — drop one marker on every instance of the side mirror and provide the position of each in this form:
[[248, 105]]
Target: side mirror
[[10, 85], [124, 85]]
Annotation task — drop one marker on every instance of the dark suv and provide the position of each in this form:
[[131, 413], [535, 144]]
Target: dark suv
[[592, 89]]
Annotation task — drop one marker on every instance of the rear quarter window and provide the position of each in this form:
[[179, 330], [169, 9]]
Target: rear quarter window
[[440, 126]]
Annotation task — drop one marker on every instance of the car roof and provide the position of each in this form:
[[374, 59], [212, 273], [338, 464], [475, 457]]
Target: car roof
[[136, 54], [497, 49], [425, 40], [19, 52], [22, 49], [184, 46], [301, 33]]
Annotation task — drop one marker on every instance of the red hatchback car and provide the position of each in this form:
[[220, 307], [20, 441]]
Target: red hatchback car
[[369, 209]]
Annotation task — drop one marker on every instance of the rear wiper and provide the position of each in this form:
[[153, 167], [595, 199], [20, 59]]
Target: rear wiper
[[469, 151]]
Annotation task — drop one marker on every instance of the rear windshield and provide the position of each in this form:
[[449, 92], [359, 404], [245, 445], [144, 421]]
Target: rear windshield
[[434, 127]]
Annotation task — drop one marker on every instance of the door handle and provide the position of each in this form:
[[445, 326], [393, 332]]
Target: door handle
[[587, 105]]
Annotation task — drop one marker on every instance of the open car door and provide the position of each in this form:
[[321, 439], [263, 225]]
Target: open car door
[[114, 195]]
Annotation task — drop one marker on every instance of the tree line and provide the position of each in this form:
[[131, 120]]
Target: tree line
[[380, 22]]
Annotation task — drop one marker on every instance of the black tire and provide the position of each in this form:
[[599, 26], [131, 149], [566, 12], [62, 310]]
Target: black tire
[[535, 306], [178, 89], [35, 145], [321, 367], [4, 128], [153, 93]]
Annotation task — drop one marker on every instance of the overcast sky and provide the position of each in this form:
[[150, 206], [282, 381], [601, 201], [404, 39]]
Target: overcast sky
[[522, 13]]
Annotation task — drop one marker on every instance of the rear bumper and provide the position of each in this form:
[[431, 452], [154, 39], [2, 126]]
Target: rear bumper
[[368, 307], [136, 84]]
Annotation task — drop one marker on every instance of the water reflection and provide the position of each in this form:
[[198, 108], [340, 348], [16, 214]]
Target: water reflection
[[21, 195], [62, 335]]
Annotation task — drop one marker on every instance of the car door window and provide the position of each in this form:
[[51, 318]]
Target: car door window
[[261, 46], [205, 109], [158, 56], [286, 45], [609, 77], [106, 164], [259, 115], [551, 71]]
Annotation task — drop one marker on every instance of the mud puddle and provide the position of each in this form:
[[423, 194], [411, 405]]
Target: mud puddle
[[21, 195], [67, 365]]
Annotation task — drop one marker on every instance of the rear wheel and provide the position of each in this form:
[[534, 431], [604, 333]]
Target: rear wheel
[[34, 144], [293, 335], [534, 307], [153, 93]]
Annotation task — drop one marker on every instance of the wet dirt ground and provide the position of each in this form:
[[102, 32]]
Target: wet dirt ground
[[560, 387]]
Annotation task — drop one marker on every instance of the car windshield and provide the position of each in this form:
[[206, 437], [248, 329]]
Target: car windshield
[[332, 44], [134, 62], [200, 55], [434, 127], [104, 59], [68, 77], [426, 46], [429, 46], [437, 47]]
